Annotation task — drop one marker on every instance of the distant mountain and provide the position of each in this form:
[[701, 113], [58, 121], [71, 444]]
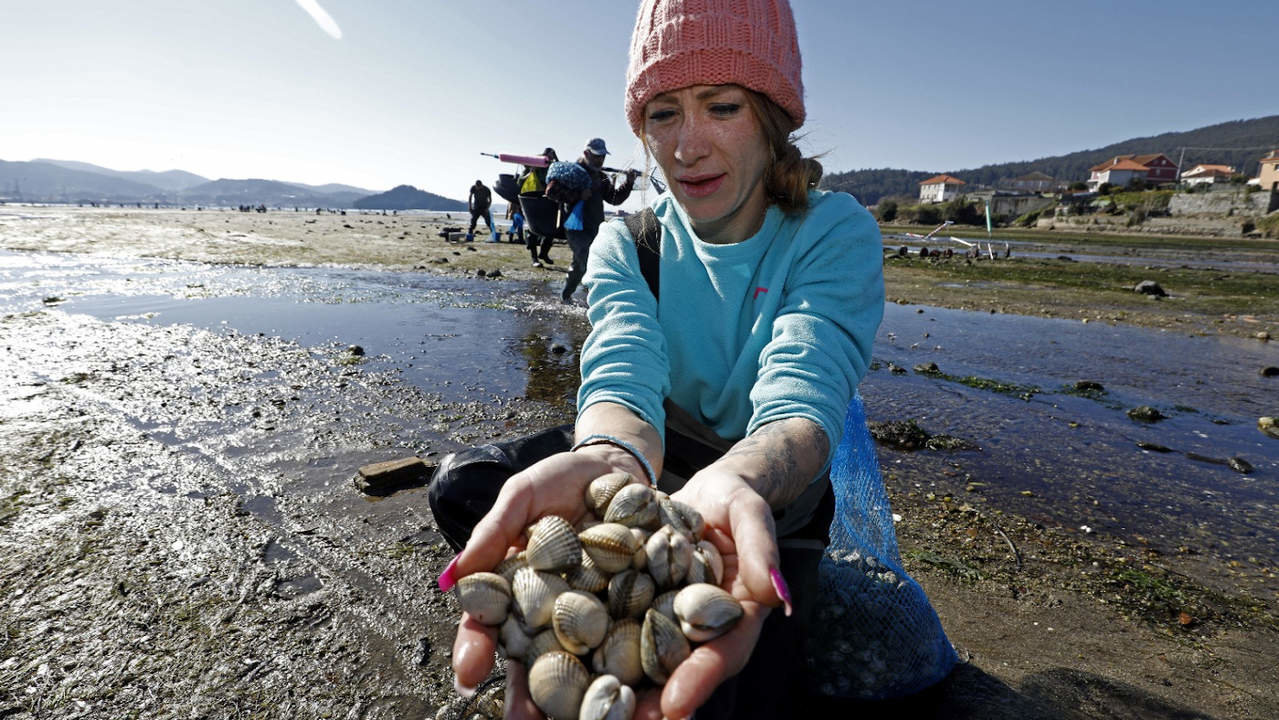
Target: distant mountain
[[407, 197], [70, 181], [1259, 134], [169, 180], [43, 182], [254, 191], [333, 188]]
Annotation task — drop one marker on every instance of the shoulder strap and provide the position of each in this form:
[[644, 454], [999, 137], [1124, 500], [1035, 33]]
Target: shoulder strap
[[647, 234]]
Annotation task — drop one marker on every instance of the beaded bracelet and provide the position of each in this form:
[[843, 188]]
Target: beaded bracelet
[[598, 438]]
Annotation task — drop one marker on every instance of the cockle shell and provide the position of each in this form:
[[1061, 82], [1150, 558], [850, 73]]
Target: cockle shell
[[587, 576], [507, 567], [619, 654], [680, 516], [535, 592], [707, 565], [706, 611], [607, 699], [665, 604], [580, 621], [633, 506], [557, 682], [629, 594], [611, 545], [669, 555], [640, 560], [553, 545], [514, 639], [485, 596], [602, 489], [540, 644], [662, 646]]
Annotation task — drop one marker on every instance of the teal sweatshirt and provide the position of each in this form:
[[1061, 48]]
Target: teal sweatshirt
[[777, 326]]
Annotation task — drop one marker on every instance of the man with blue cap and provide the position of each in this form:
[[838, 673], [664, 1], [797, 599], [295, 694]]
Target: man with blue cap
[[601, 189]]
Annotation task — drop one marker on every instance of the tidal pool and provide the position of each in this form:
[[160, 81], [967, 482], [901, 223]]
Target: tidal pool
[[1062, 458]]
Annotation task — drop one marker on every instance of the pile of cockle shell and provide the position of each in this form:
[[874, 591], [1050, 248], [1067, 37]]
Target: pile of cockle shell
[[597, 610]]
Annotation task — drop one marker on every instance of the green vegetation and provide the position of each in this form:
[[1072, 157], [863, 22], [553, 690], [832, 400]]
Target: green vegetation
[[1024, 392], [887, 210], [1152, 201], [961, 211], [11, 506], [1269, 225], [957, 569], [401, 550], [1032, 217], [1145, 240], [1209, 292]]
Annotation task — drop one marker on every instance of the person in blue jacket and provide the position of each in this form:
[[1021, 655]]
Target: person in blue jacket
[[770, 296]]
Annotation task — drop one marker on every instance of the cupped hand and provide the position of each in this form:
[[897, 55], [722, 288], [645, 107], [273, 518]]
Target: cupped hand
[[553, 486], [740, 524]]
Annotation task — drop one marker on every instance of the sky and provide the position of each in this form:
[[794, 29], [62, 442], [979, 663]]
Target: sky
[[382, 93]]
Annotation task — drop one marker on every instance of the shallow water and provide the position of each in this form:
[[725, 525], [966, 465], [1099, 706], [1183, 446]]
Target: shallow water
[[1067, 460]]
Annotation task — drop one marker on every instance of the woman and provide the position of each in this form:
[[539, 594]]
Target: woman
[[770, 296]]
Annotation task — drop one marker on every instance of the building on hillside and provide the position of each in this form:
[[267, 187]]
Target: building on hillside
[[1205, 174], [1117, 171], [1033, 182], [1268, 172], [1159, 169], [940, 188]]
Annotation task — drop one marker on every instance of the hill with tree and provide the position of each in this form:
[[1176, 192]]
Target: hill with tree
[[44, 182], [1250, 138], [407, 197], [70, 181], [170, 180]]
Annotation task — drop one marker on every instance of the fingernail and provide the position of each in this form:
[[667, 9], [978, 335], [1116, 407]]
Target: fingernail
[[462, 690], [447, 579], [783, 592]]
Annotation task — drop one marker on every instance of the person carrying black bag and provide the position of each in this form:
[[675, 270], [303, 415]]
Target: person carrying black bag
[[601, 190]]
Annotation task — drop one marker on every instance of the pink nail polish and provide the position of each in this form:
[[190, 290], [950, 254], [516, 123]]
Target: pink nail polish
[[447, 579], [783, 592]]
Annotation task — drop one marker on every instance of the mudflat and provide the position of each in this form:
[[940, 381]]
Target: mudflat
[[181, 536]]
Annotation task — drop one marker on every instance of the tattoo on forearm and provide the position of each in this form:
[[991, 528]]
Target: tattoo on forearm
[[786, 455]]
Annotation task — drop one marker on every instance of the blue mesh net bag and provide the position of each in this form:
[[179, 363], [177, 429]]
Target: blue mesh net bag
[[874, 633], [569, 174]]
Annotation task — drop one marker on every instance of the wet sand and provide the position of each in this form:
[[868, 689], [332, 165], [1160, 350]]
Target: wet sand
[[181, 537]]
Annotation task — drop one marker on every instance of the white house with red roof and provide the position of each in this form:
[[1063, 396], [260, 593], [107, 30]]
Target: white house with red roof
[[1207, 174], [940, 188], [1116, 171]]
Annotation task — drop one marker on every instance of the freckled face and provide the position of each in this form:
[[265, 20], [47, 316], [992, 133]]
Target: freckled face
[[712, 151]]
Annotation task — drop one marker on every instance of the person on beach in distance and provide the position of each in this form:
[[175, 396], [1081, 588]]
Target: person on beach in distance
[[770, 296], [601, 189], [480, 200]]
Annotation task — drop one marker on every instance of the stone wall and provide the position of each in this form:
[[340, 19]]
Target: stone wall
[[1205, 226], [1220, 202]]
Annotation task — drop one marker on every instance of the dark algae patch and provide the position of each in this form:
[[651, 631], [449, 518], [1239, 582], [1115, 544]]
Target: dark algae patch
[[1025, 392]]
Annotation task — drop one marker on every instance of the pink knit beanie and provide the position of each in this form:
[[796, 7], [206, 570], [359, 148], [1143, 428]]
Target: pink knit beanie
[[678, 43]]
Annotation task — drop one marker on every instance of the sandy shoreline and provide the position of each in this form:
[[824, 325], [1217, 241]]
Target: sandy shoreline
[[137, 578]]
